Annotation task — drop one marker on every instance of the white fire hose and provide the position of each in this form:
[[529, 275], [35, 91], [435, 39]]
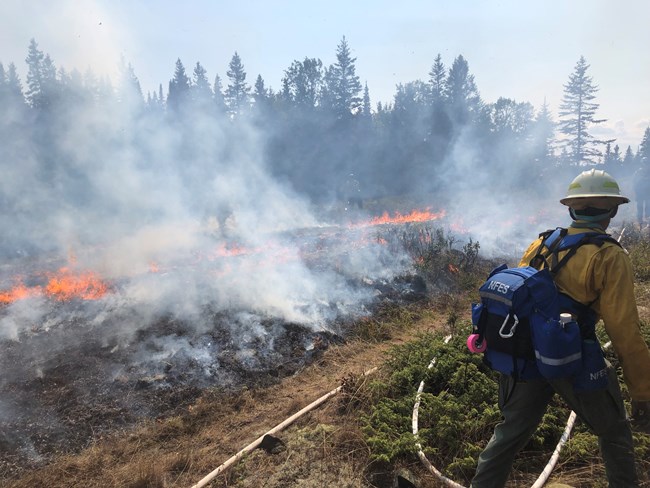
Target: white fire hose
[[275, 429], [541, 480], [446, 481], [543, 477]]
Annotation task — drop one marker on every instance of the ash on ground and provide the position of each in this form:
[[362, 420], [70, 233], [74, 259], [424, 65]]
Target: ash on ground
[[91, 382]]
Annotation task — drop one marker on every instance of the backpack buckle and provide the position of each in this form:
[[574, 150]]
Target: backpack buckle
[[511, 332]]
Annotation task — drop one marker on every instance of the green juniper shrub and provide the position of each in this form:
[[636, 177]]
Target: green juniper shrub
[[458, 409]]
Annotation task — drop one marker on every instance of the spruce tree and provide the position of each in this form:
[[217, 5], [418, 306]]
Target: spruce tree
[[34, 62], [262, 98], [577, 113], [200, 90], [343, 85], [260, 94], [219, 99], [644, 148], [437, 77], [237, 92], [629, 158], [366, 110], [462, 94], [179, 88]]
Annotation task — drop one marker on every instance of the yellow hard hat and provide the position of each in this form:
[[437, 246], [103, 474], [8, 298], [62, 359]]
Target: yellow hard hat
[[594, 188]]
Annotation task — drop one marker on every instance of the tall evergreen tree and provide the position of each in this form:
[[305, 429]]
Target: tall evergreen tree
[[577, 113], [342, 83], [612, 161], [437, 77], [644, 148], [238, 91], [179, 88], [260, 95], [34, 62], [440, 124], [219, 99], [366, 109], [262, 98], [629, 159], [462, 93], [200, 90], [50, 86]]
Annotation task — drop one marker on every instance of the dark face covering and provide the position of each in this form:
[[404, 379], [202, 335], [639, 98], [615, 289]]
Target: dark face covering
[[592, 214], [592, 217]]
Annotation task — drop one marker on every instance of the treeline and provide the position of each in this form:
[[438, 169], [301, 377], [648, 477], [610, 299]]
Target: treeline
[[319, 132]]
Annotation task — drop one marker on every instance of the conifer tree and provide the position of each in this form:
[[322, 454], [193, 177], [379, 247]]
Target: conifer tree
[[260, 94], [342, 83], [219, 99], [200, 89], [366, 110], [237, 94], [262, 98], [644, 148], [612, 161], [161, 98], [577, 113], [437, 81], [629, 159], [34, 62], [461, 91], [179, 88]]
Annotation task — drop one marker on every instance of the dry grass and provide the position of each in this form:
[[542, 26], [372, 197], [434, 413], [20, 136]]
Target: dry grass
[[323, 448]]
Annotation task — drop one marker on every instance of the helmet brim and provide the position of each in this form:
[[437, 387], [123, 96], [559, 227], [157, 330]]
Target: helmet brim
[[615, 199]]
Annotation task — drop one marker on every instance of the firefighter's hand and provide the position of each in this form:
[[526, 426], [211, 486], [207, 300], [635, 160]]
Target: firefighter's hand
[[641, 416]]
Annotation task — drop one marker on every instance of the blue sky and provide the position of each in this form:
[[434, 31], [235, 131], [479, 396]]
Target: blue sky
[[524, 50]]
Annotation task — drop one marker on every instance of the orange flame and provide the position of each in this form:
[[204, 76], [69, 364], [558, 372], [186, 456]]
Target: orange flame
[[228, 251], [64, 285], [18, 292], [413, 216]]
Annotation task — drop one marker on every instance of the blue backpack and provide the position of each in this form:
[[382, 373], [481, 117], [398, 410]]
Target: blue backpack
[[518, 323]]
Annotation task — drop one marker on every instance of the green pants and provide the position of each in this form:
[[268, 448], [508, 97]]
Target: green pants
[[522, 406]]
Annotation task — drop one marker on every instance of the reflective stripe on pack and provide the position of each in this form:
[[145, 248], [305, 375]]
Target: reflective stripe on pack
[[560, 361]]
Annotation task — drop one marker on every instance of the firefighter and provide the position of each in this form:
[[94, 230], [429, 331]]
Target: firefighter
[[600, 277]]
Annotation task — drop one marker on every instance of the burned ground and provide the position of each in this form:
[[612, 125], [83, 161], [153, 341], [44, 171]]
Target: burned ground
[[91, 383]]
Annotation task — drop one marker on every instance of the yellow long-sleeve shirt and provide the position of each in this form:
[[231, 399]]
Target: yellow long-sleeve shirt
[[603, 275]]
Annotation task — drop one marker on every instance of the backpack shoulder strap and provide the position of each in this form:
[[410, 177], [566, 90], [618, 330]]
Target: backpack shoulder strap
[[549, 240], [573, 242], [555, 240]]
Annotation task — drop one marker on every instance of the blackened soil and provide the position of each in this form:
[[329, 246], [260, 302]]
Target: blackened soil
[[62, 389]]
